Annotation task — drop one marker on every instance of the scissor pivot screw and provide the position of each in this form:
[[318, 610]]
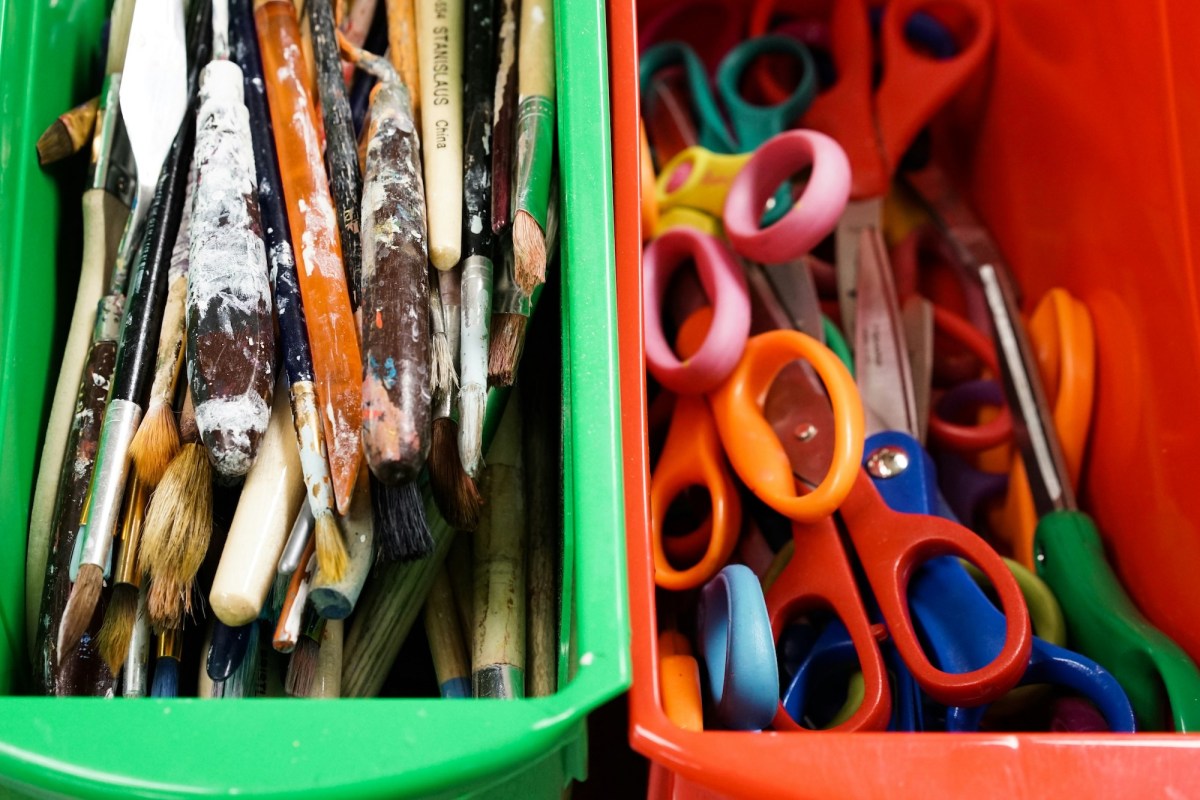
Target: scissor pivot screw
[[805, 432], [887, 462]]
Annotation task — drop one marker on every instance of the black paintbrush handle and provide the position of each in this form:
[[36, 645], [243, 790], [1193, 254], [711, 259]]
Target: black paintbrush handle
[[341, 153], [504, 115], [144, 308], [478, 91], [293, 329]]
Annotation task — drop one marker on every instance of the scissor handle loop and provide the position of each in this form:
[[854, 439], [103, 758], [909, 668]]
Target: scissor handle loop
[[970, 438], [754, 124], [692, 457], [698, 178], [710, 124], [723, 282], [752, 446], [738, 649], [810, 219]]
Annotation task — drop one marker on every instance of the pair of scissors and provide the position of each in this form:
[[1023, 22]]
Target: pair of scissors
[[1162, 682], [876, 125]]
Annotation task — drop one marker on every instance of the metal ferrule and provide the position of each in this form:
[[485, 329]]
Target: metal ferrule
[[501, 681], [135, 675], [313, 625], [476, 293], [131, 534], [306, 417], [112, 160], [169, 644], [99, 521], [534, 146], [293, 551], [506, 297]]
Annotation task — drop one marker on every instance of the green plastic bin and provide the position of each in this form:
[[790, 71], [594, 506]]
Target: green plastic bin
[[49, 60]]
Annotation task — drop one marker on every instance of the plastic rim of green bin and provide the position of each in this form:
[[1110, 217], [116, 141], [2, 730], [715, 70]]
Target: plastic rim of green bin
[[99, 748]]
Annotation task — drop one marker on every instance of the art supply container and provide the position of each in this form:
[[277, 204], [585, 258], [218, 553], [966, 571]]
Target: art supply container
[[93, 748], [1079, 162]]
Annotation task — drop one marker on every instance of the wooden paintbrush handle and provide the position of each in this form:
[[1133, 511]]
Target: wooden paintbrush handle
[[498, 663], [231, 331], [402, 48], [395, 385], [336, 599], [535, 109], [446, 639], [504, 114], [103, 220], [271, 498], [337, 361], [440, 42], [328, 682]]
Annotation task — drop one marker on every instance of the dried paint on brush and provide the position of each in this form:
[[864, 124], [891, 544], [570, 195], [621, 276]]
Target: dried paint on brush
[[231, 339], [52, 675], [337, 362], [396, 382], [503, 113]]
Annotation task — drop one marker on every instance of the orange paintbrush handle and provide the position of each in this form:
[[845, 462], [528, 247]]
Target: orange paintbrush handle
[[337, 363]]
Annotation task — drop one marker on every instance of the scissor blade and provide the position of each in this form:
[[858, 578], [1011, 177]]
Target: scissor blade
[[799, 413], [1034, 421], [918, 334], [881, 364], [859, 215], [796, 290]]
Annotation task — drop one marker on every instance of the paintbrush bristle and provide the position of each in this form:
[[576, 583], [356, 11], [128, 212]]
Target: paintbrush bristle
[[508, 336], [456, 495], [155, 444], [302, 668], [400, 525], [166, 604], [529, 248], [166, 678], [442, 376], [176, 532], [331, 548], [81, 604], [54, 144], [117, 630]]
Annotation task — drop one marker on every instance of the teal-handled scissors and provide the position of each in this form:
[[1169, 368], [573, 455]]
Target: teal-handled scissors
[[748, 125]]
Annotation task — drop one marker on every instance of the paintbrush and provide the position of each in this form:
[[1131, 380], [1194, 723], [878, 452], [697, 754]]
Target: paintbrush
[[297, 541], [439, 46], [541, 383], [341, 152], [287, 628], [355, 26], [143, 319], [448, 306], [168, 654], [242, 678], [460, 566], [511, 308], [363, 83], [271, 498], [105, 209], [230, 330], [69, 132], [446, 639], [334, 598], [178, 527], [302, 666], [453, 489], [476, 235], [402, 48], [157, 439], [135, 672], [228, 648], [401, 528], [121, 614], [67, 676], [328, 681], [535, 140], [395, 319], [504, 106], [293, 328], [498, 660], [337, 361]]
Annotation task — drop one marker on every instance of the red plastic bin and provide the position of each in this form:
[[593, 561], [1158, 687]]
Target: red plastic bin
[[1078, 151]]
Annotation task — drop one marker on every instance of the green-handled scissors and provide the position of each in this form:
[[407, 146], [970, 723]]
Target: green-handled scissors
[[1162, 682], [752, 124]]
